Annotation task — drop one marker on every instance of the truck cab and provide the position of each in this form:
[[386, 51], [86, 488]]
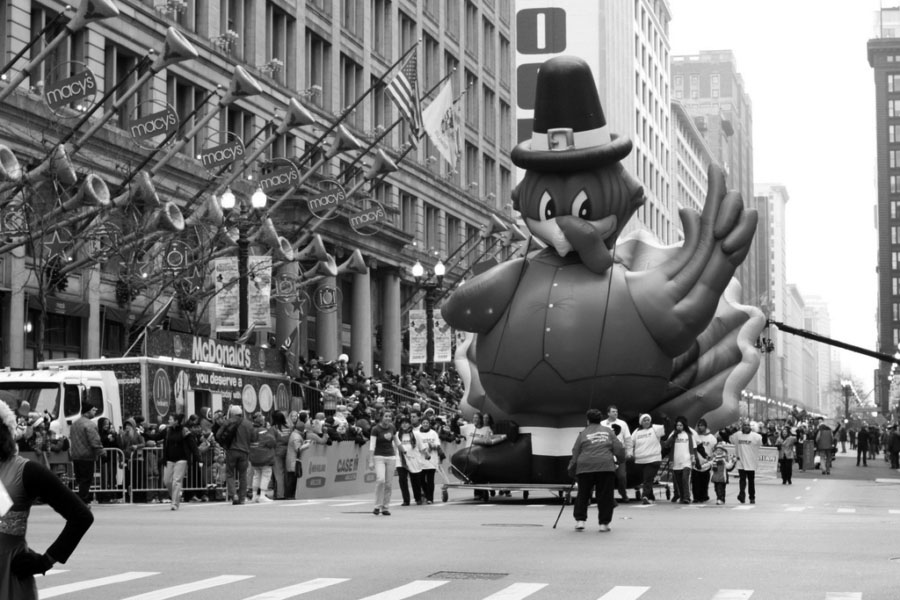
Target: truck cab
[[60, 393]]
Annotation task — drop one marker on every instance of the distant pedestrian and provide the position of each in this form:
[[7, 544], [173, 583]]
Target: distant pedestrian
[[862, 445], [647, 455], [824, 444], [383, 448], [746, 447], [593, 465], [179, 446], [787, 446], [842, 436], [720, 464], [893, 446], [682, 456], [705, 443]]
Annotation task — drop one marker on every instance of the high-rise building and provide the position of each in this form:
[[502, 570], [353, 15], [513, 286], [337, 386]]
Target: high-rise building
[[710, 88], [884, 58], [817, 319]]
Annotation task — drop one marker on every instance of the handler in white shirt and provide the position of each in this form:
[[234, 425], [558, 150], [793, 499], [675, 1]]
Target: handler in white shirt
[[624, 435]]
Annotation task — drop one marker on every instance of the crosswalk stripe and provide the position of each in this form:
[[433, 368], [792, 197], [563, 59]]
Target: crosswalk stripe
[[732, 594], [187, 588], [407, 591], [624, 592], [795, 509], [59, 590], [743, 508], [893, 511], [846, 510], [351, 503], [296, 590], [516, 591], [843, 596]]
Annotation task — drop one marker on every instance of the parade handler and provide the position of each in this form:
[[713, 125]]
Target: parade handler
[[595, 455]]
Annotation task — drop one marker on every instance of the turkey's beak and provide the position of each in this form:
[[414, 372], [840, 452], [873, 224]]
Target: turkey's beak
[[588, 239]]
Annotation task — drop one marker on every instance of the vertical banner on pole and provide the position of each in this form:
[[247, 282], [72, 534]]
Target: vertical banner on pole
[[259, 290], [227, 293], [418, 337], [443, 339]]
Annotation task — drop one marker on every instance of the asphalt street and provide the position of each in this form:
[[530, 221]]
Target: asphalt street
[[833, 537]]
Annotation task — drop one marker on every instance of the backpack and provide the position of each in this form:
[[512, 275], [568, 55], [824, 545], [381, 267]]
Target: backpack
[[225, 435]]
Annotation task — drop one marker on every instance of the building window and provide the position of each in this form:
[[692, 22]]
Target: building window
[[505, 189], [432, 10], [318, 68], [895, 310], [237, 16], [471, 100], [895, 286], [185, 98], [894, 159], [451, 8], [714, 85], [432, 229], [283, 146], [408, 213], [119, 62], [895, 260], [505, 62], [472, 177], [893, 134], [505, 125], [238, 122], [490, 181], [351, 89], [454, 230], [381, 28], [895, 234], [431, 58], [472, 30], [895, 184], [695, 86], [381, 106], [281, 32], [62, 337], [893, 82], [53, 68], [490, 114], [895, 209], [323, 6], [408, 35], [894, 108], [352, 16], [489, 56]]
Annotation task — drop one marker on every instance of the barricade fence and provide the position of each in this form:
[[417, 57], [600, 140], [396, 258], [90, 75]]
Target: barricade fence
[[328, 470]]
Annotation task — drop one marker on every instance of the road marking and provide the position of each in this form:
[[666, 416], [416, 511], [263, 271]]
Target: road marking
[[187, 588], [59, 590], [893, 480], [843, 596], [56, 571], [732, 594], [296, 590], [795, 509], [516, 591], [846, 510], [624, 592], [352, 503], [743, 508], [406, 591], [894, 511], [304, 503]]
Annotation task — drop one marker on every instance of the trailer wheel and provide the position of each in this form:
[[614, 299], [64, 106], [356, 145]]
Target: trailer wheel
[[668, 493], [525, 495], [444, 496]]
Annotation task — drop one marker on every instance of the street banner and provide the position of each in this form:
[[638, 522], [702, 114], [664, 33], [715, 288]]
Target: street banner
[[259, 290], [225, 275], [443, 339], [418, 337], [441, 122]]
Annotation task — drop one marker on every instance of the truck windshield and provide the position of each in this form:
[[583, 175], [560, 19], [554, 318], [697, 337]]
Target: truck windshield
[[40, 396]]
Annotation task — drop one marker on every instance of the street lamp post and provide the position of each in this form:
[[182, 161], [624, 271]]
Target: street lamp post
[[848, 389], [433, 286], [766, 346], [228, 201]]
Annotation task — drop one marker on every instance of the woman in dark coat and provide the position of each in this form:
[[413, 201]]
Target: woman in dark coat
[[24, 481]]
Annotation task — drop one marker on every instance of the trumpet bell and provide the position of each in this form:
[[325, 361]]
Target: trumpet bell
[[90, 11], [381, 165], [141, 190], [10, 169], [167, 217], [314, 250], [354, 264], [93, 192], [210, 211], [242, 84], [296, 116], [176, 49], [343, 141], [56, 165]]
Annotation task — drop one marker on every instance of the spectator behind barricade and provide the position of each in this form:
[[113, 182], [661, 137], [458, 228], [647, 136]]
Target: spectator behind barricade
[[58, 447], [355, 433], [330, 431], [282, 432], [132, 444], [262, 458], [153, 436], [109, 465], [179, 446], [314, 431], [297, 445], [206, 445], [85, 448]]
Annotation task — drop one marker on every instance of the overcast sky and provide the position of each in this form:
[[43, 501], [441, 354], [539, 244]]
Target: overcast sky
[[805, 69]]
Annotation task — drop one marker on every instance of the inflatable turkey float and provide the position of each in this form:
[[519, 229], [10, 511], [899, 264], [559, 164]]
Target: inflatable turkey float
[[590, 320]]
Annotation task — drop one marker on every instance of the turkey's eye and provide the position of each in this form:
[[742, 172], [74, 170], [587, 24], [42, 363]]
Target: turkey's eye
[[581, 206], [547, 207]]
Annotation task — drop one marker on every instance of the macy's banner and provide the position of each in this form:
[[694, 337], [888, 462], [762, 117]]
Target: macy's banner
[[342, 470]]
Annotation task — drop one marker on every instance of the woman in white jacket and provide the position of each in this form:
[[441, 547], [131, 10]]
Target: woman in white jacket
[[647, 454]]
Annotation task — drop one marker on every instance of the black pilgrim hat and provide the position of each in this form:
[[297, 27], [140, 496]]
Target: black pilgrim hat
[[569, 131]]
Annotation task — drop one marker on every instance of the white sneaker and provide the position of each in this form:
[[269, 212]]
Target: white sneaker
[[579, 525], [264, 499]]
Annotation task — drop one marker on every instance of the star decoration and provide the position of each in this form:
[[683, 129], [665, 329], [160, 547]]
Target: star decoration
[[56, 247]]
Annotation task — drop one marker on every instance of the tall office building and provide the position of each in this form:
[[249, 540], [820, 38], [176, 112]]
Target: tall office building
[[711, 90], [884, 58]]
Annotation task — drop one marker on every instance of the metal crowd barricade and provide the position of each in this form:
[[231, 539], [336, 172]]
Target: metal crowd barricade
[[109, 476], [146, 475]]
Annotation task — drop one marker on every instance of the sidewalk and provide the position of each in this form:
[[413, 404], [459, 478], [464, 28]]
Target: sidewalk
[[844, 467]]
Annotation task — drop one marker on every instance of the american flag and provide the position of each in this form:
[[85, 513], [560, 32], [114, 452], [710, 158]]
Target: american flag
[[404, 91]]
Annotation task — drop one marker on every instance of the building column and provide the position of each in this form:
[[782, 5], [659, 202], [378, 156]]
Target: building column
[[391, 340], [328, 343], [361, 322], [17, 314], [91, 279]]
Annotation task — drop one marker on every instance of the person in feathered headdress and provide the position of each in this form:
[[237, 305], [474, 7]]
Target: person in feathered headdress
[[21, 482]]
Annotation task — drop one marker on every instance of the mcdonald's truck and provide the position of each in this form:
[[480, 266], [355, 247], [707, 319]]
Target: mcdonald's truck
[[187, 374]]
